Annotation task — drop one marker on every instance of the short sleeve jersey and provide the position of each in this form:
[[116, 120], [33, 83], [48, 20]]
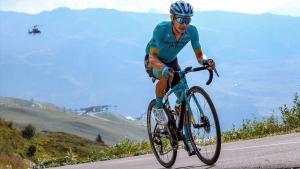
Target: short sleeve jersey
[[164, 41]]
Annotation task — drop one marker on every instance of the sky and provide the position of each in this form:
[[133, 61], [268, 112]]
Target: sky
[[288, 7]]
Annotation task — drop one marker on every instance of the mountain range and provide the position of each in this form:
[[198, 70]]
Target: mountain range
[[95, 57]]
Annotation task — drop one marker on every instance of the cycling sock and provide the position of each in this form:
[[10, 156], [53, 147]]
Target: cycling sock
[[159, 103], [155, 73]]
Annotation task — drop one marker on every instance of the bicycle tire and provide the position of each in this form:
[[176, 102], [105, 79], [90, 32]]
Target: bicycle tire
[[205, 142], [171, 161]]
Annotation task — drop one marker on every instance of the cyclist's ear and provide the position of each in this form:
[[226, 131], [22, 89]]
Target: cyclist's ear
[[172, 17]]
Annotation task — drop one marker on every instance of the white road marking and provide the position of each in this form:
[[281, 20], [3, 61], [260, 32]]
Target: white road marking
[[269, 145], [126, 160]]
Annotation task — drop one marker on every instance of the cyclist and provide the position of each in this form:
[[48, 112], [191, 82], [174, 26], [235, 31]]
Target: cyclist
[[169, 37]]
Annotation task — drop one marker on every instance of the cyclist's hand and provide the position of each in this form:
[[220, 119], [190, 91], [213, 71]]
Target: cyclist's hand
[[210, 63], [211, 66]]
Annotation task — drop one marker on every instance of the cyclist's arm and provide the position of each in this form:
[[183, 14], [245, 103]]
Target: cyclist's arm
[[200, 56], [158, 34], [154, 61], [196, 46]]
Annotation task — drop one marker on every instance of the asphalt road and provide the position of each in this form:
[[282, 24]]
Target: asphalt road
[[271, 152]]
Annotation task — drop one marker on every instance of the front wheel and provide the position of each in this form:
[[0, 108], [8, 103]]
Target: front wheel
[[204, 127], [160, 139]]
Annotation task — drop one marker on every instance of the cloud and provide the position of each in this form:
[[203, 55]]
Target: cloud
[[35, 6], [291, 8], [246, 6], [75, 82]]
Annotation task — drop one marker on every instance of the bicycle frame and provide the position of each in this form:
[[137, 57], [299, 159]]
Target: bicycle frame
[[183, 87]]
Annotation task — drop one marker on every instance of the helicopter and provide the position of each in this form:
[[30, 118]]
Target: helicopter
[[34, 30]]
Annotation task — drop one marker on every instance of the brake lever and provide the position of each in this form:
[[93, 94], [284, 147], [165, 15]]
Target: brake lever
[[216, 72]]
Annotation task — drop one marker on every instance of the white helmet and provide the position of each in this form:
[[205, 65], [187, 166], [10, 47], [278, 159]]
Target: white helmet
[[181, 8]]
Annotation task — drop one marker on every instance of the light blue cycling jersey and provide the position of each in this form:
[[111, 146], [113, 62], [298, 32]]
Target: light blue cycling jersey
[[165, 42]]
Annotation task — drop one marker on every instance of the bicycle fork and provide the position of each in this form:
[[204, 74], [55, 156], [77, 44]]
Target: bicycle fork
[[183, 125]]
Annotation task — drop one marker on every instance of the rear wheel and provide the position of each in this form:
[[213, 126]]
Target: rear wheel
[[204, 129], [160, 140]]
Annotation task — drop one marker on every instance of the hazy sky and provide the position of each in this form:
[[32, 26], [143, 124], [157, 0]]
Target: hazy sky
[[162, 6]]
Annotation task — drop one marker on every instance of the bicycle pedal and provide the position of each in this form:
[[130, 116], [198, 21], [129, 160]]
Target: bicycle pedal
[[164, 132], [156, 141]]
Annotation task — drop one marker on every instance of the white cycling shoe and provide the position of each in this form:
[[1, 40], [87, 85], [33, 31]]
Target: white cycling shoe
[[160, 116]]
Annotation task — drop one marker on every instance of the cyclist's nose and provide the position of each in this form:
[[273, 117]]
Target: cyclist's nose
[[184, 25]]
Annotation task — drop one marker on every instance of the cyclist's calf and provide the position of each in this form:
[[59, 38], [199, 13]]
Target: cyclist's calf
[[162, 85]]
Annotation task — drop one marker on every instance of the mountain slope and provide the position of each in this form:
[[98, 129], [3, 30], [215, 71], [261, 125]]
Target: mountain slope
[[51, 118]]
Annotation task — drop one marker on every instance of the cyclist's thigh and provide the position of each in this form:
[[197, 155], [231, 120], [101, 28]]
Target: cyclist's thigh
[[148, 66], [153, 71]]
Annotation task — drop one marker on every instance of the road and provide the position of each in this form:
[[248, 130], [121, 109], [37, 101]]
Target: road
[[281, 151]]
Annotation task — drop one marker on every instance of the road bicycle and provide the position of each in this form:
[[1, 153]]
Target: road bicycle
[[197, 122]]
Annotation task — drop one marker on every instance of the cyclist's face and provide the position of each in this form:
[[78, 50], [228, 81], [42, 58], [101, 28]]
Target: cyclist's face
[[181, 23]]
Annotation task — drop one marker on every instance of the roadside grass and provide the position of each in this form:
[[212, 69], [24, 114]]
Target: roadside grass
[[44, 149], [13, 162], [288, 122]]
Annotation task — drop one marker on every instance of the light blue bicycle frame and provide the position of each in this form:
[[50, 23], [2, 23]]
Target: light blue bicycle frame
[[183, 87]]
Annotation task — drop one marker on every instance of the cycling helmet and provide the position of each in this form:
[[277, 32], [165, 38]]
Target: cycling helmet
[[181, 8]]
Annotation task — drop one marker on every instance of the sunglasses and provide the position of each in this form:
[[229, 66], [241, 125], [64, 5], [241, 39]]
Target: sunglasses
[[183, 20]]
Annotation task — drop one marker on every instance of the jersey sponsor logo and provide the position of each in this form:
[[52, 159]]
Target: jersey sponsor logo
[[175, 44]]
